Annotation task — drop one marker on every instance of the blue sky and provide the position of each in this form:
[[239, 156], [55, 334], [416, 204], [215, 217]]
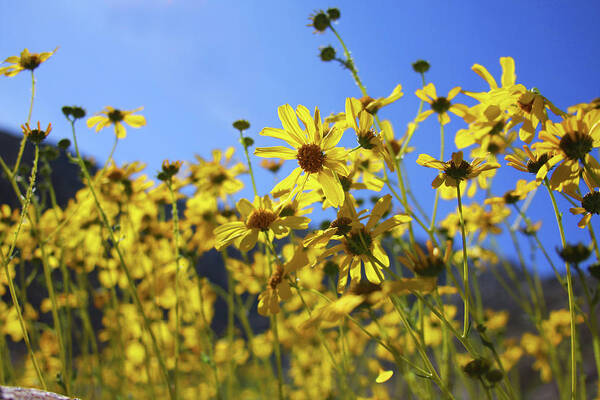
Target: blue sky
[[196, 66]]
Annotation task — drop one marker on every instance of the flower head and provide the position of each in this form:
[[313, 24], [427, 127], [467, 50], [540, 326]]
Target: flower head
[[116, 117], [441, 105], [361, 243], [259, 216], [26, 60], [314, 150], [570, 143], [455, 170], [36, 135]]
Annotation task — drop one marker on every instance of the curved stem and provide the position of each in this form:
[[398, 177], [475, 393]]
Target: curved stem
[[249, 163], [24, 140], [177, 238]]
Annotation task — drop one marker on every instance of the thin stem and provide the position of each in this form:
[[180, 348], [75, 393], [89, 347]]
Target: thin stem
[[177, 238], [249, 163], [467, 290], [7, 258], [24, 140], [569, 292], [124, 267], [349, 62]]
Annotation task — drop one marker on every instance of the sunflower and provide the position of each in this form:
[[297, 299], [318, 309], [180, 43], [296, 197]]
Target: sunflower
[[361, 243], [441, 105], [455, 170], [115, 117], [257, 217], [571, 141], [313, 148], [27, 60]]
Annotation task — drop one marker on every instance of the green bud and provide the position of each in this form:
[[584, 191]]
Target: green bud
[[241, 125], [327, 53], [333, 14], [421, 66]]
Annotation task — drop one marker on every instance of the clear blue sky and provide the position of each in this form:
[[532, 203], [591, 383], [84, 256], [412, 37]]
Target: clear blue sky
[[196, 66]]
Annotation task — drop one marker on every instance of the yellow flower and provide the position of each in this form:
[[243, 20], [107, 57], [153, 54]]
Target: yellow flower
[[590, 204], [278, 288], [365, 135], [372, 105], [27, 60], [257, 217], [313, 148], [441, 105], [219, 176], [113, 116], [455, 170], [361, 244], [571, 141]]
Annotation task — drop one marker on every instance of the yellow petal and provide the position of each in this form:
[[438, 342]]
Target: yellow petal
[[331, 187], [384, 376], [484, 73], [120, 130], [508, 71], [135, 121], [282, 152]]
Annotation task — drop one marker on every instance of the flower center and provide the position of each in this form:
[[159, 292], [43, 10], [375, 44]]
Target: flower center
[[310, 158], [287, 211], [217, 179], [496, 129], [115, 116], [510, 198], [276, 277], [261, 219], [365, 101], [358, 243], [533, 166], [30, 62], [591, 202], [440, 105], [576, 145], [342, 224], [458, 172], [365, 140]]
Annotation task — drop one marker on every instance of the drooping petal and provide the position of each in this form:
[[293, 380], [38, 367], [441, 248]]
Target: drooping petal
[[120, 130], [287, 184], [332, 188], [249, 240]]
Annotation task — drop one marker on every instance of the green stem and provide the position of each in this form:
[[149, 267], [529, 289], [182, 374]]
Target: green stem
[[350, 62], [7, 258], [249, 163], [24, 140], [569, 292], [467, 290], [124, 267], [177, 238]]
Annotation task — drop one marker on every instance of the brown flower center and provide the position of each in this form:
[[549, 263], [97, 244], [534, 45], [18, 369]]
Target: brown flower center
[[440, 105], [217, 179], [533, 166], [116, 116], [30, 62], [458, 172], [276, 277], [311, 158], [591, 202], [365, 140], [261, 219], [576, 145], [342, 224], [358, 243]]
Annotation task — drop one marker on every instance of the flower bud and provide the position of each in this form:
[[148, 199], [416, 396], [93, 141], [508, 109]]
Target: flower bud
[[327, 53], [320, 21], [241, 125], [420, 66], [333, 14], [64, 144]]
